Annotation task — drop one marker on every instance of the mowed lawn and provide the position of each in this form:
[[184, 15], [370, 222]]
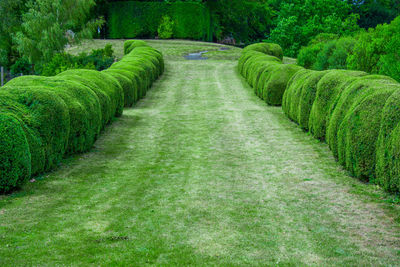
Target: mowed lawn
[[200, 172]]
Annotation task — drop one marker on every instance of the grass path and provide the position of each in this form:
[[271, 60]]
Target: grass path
[[200, 172]]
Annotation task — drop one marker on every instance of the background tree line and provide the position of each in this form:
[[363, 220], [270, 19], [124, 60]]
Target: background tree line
[[33, 31]]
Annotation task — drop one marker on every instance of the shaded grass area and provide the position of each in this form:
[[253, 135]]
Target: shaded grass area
[[200, 172]]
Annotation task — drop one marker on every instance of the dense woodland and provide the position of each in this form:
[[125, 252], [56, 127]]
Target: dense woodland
[[33, 32]]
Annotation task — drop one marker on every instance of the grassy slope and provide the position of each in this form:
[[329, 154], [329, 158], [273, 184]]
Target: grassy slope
[[200, 172]]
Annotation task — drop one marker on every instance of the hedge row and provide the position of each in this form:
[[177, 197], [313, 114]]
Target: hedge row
[[42, 119], [134, 19], [357, 114]]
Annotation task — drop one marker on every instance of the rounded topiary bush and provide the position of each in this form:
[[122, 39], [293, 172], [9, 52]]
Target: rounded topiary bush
[[359, 131], [266, 48], [256, 69], [137, 83], [138, 72], [10, 105], [248, 66], [101, 84], [388, 149], [104, 98], [83, 107], [291, 95], [44, 118], [264, 78], [132, 44], [129, 86], [328, 88], [15, 158], [155, 56], [388, 162], [307, 96], [277, 82], [355, 90], [49, 117]]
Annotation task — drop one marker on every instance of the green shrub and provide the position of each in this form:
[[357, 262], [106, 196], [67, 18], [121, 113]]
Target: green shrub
[[359, 131], [248, 66], [328, 88], [21, 66], [322, 62], [15, 158], [98, 59], [265, 75], [308, 55], [103, 92], [343, 48], [138, 84], [276, 85], [49, 117], [357, 89], [307, 97], [387, 155], [44, 118], [101, 84], [166, 28], [83, 106], [132, 44], [388, 158], [292, 94], [10, 105], [129, 86]]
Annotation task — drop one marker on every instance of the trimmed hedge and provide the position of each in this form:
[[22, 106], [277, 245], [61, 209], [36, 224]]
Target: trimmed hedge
[[357, 114], [134, 19], [266, 48], [132, 44], [261, 65], [42, 119], [328, 88]]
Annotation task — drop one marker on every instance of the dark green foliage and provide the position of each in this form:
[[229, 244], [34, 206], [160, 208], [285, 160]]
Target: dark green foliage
[[132, 19], [98, 59], [328, 88], [327, 54], [21, 66], [44, 118], [299, 21], [244, 21], [15, 158], [373, 51]]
